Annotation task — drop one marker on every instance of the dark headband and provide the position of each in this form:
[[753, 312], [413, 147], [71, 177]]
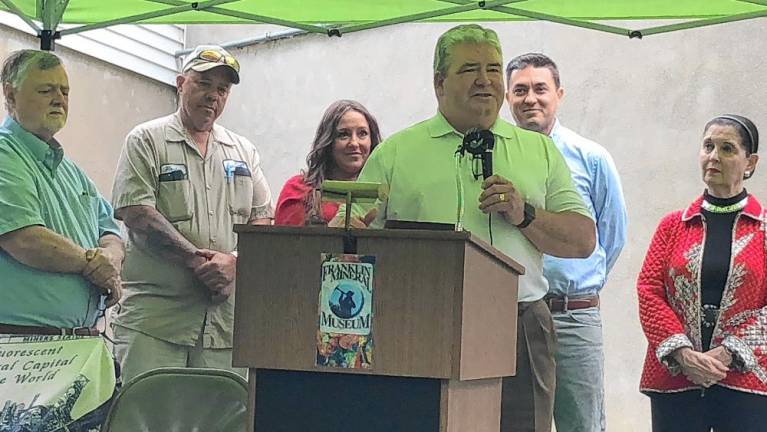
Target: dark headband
[[748, 126]]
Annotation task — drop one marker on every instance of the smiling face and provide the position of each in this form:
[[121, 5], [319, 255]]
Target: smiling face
[[470, 93], [203, 97], [723, 161], [41, 102], [534, 98], [351, 146]]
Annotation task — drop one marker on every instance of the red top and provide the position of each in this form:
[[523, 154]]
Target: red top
[[291, 205], [669, 300]]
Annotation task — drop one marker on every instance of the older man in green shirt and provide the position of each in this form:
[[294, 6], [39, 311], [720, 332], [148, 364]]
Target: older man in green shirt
[[529, 207], [60, 250]]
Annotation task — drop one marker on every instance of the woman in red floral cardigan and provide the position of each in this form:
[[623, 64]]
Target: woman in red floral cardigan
[[703, 297], [345, 137]]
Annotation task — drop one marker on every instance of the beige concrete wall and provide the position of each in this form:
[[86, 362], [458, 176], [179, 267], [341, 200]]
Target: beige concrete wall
[[645, 100], [104, 104]]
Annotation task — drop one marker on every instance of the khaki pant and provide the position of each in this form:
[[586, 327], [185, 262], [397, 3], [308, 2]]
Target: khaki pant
[[138, 353], [527, 399]]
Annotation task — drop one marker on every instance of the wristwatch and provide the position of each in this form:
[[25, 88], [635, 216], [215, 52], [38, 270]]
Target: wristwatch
[[529, 213]]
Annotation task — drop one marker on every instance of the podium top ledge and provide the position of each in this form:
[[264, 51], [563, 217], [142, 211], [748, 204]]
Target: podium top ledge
[[384, 233]]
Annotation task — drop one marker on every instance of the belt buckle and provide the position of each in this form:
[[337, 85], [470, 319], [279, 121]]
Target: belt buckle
[[551, 302], [72, 331]]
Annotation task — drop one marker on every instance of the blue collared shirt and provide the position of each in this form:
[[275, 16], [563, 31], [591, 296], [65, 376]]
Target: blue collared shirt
[[40, 186], [597, 181]]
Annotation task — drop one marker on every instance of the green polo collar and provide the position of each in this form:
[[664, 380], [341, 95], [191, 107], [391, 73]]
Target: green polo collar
[[438, 126], [49, 154]]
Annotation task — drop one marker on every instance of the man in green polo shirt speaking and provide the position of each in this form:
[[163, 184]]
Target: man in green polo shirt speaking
[[60, 249], [527, 208]]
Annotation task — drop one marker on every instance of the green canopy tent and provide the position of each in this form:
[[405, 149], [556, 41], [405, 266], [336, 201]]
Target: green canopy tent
[[338, 17]]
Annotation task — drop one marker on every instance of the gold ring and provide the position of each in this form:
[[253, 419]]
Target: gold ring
[[502, 197]]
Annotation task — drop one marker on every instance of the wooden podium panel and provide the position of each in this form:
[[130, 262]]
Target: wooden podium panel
[[444, 311]]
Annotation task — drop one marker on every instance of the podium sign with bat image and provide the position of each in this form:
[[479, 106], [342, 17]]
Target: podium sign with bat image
[[344, 336]]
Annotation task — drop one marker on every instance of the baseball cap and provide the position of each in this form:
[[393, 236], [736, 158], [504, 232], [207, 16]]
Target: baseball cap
[[207, 57]]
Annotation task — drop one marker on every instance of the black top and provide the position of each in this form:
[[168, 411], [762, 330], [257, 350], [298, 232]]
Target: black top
[[717, 252]]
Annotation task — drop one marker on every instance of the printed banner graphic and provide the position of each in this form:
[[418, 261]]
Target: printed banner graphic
[[345, 336], [48, 382]]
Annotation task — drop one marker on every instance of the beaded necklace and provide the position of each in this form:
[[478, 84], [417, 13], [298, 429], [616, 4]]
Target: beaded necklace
[[713, 208]]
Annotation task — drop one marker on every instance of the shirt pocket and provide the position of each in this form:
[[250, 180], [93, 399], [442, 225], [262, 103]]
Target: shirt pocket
[[173, 200], [90, 204], [240, 197]]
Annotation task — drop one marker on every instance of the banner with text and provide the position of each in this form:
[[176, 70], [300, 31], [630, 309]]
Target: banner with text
[[48, 382]]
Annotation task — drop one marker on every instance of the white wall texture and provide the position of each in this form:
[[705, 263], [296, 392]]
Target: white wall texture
[[645, 100]]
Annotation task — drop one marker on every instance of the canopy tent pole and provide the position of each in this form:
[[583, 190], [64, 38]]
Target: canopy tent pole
[[553, 18], [242, 43], [252, 17], [16, 11], [697, 23], [50, 12], [149, 15], [465, 7]]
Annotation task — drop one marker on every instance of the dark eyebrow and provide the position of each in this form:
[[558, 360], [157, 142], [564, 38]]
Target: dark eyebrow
[[468, 65], [494, 65]]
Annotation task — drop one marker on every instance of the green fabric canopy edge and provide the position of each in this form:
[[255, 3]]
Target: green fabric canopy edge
[[52, 12]]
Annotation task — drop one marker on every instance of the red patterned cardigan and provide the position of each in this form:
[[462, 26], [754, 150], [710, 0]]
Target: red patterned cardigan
[[669, 300]]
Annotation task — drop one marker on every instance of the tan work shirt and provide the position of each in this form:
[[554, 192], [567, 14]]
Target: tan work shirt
[[160, 166]]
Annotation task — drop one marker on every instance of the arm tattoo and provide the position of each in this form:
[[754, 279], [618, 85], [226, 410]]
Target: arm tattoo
[[152, 231]]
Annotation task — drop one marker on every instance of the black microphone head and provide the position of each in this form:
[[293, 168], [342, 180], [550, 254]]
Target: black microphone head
[[478, 141]]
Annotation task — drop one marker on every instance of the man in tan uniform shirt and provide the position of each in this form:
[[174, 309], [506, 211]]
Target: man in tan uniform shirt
[[182, 182]]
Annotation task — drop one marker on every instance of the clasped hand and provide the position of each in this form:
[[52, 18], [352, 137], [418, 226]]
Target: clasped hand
[[102, 269], [217, 272], [704, 369]]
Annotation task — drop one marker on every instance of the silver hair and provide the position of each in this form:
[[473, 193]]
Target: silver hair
[[16, 67]]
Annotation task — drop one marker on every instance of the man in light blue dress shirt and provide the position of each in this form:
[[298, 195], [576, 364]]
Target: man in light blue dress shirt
[[534, 95]]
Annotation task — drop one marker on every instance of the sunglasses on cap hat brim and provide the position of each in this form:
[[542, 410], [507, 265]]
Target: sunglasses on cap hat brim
[[209, 59], [219, 57]]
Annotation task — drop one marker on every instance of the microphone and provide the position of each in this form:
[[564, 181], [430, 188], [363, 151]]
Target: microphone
[[479, 143]]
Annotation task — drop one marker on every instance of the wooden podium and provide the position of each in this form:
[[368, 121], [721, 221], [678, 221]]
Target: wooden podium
[[444, 329]]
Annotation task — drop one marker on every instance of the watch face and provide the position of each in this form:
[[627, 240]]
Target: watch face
[[529, 212]]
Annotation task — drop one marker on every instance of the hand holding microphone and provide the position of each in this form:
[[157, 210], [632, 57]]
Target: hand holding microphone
[[500, 196]]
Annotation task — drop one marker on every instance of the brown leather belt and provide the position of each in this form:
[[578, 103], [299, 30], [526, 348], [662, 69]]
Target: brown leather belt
[[33, 330], [564, 304]]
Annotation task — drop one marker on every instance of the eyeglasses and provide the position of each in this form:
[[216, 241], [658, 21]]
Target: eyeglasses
[[218, 57]]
